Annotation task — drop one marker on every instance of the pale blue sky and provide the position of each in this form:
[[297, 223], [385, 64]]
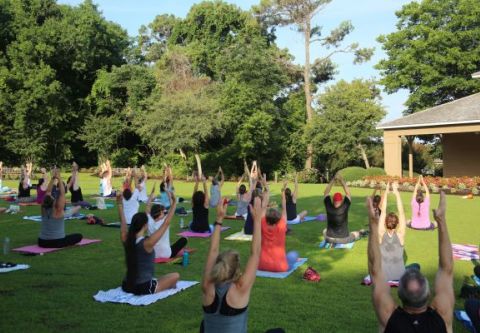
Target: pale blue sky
[[369, 17]]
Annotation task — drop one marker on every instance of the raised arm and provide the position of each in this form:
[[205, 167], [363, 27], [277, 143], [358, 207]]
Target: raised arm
[[444, 299], [383, 214], [382, 300], [425, 188], [222, 176], [207, 285], [150, 242], [345, 187], [148, 206], [145, 174], [417, 186], [402, 223], [248, 278], [284, 199], [329, 187], [123, 221], [295, 192], [195, 187], [60, 202], [237, 188], [206, 203], [266, 193]]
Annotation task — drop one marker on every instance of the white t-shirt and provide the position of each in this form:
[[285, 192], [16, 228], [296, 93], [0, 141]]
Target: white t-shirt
[[106, 187], [130, 207], [162, 248], [143, 192]]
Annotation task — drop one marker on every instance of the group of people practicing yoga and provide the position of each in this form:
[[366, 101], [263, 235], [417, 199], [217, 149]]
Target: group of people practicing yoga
[[225, 288]]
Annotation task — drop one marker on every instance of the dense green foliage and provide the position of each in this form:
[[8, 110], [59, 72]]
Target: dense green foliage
[[434, 52], [353, 173], [375, 172], [55, 294]]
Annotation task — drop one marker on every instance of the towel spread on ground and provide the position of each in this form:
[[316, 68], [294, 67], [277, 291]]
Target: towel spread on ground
[[326, 245], [28, 204], [306, 219], [239, 236], [35, 249], [112, 225], [38, 218], [368, 281], [465, 252], [119, 296], [6, 267], [231, 217], [282, 275], [189, 233], [177, 257], [463, 317]]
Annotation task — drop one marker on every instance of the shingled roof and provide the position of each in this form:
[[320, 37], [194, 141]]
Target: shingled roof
[[465, 110]]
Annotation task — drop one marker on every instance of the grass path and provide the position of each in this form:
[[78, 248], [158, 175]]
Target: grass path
[[55, 294]]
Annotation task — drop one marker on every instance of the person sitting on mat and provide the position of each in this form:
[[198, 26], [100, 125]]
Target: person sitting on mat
[[421, 207], [273, 256], [391, 233], [291, 202], [337, 215], [140, 255], [106, 181], [243, 197], [42, 186], [130, 200], [415, 315], [52, 232], [226, 291], [142, 185], [25, 184], [75, 189], [200, 204], [157, 216], [216, 188], [257, 183]]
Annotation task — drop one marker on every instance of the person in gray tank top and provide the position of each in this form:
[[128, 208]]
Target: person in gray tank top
[[216, 189], [52, 231], [140, 253], [391, 235]]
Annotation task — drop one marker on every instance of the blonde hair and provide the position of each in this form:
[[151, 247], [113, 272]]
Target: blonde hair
[[226, 268]]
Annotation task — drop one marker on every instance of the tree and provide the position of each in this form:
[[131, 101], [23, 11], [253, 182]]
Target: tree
[[346, 122], [153, 39], [300, 13], [433, 52]]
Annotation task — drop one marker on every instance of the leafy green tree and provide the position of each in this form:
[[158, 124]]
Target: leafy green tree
[[433, 52], [346, 122], [152, 39], [300, 13]]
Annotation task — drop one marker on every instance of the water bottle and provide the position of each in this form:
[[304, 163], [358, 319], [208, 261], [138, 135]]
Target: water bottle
[[6, 246], [185, 259], [101, 190], [182, 223]]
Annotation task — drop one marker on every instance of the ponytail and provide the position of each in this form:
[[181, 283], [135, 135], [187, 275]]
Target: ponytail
[[138, 222], [226, 268]]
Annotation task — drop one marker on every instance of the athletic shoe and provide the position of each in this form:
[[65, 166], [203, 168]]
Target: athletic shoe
[[311, 275]]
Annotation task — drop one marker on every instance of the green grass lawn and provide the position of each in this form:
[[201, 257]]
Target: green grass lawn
[[55, 294]]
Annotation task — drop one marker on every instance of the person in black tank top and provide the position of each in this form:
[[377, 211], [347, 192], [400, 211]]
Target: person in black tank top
[[75, 189], [200, 204], [415, 315], [25, 184], [291, 203]]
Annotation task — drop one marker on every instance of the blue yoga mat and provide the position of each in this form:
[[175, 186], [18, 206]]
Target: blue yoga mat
[[464, 319], [282, 275], [325, 245], [38, 218]]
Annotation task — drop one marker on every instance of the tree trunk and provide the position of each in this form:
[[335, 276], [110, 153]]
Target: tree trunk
[[307, 89], [364, 156], [199, 165]]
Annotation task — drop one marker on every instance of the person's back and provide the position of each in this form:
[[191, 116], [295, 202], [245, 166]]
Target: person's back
[[220, 317], [130, 204], [392, 257], [421, 214], [164, 201], [77, 195], [428, 321], [162, 247], [52, 227], [200, 219], [337, 217], [214, 195], [273, 254], [291, 210], [145, 267]]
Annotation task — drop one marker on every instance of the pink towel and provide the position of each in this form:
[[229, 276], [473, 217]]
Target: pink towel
[[465, 252], [35, 249], [199, 234]]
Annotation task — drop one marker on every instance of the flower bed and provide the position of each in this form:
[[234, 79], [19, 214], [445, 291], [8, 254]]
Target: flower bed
[[454, 185]]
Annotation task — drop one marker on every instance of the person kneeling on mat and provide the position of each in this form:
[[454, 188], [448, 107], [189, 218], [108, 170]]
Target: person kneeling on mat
[[156, 219], [52, 232], [337, 215], [140, 255]]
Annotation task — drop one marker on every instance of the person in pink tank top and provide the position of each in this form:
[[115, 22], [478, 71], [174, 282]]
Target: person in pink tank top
[[421, 207]]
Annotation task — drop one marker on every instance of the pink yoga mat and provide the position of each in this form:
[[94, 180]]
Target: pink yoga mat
[[199, 234], [178, 256], [35, 249]]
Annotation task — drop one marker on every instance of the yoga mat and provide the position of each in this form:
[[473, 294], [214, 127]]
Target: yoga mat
[[28, 204], [35, 249], [325, 245], [16, 267], [119, 296], [463, 317], [178, 256], [112, 225], [431, 228], [306, 219], [282, 275], [38, 218], [367, 281], [465, 252], [476, 279], [230, 217], [239, 236], [199, 234]]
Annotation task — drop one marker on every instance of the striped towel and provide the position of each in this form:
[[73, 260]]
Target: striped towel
[[465, 252], [119, 296]]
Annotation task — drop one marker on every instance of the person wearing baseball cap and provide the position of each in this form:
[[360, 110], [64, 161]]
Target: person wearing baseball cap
[[337, 214]]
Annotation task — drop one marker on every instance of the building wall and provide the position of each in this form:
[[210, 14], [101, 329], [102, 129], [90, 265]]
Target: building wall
[[461, 154]]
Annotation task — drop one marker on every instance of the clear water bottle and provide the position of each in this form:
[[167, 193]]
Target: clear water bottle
[[182, 223], [185, 260], [6, 246]]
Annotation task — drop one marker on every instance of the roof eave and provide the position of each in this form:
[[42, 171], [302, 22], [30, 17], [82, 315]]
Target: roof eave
[[387, 127]]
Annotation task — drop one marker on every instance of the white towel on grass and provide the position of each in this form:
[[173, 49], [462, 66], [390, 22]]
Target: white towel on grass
[[119, 296], [14, 268]]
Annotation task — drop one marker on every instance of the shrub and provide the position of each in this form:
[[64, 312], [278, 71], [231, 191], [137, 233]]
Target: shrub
[[375, 172], [475, 191], [308, 176], [123, 158], [462, 186], [353, 173]]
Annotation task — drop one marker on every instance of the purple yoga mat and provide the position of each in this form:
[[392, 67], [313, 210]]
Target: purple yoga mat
[[198, 234], [35, 249]]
